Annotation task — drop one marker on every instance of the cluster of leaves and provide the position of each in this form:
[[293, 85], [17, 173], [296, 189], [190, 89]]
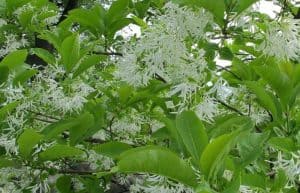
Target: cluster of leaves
[[74, 43]]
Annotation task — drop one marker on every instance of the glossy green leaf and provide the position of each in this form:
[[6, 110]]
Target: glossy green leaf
[[250, 147], [244, 4], [14, 59], [157, 160], [23, 76], [78, 131], [86, 63], [4, 72], [280, 181], [112, 149], [234, 185], [265, 98], [278, 80], [64, 184], [254, 180], [58, 151], [117, 10], [214, 154], [44, 54], [27, 140], [192, 132], [283, 143], [228, 123], [217, 8], [70, 50]]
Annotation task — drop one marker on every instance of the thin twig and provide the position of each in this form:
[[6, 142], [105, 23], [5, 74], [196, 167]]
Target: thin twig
[[229, 107], [109, 53]]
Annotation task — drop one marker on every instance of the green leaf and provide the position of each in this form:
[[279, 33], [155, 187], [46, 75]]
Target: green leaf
[[117, 10], [4, 71], [90, 19], [54, 129], [58, 151], [92, 184], [8, 108], [70, 51], [157, 160], [64, 184], [44, 54], [234, 185], [124, 93], [27, 140], [265, 98], [112, 149], [280, 181], [228, 123], [283, 143], [23, 76], [215, 152], [250, 147], [192, 132], [254, 180], [217, 8], [14, 59], [225, 53], [86, 63], [5, 163], [244, 4], [78, 131], [278, 80]]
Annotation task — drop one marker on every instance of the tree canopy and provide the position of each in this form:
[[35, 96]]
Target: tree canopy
[[149, 96]]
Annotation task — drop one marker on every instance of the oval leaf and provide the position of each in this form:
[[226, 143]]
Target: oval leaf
[[60, 151], [157, 160], [192, 132]]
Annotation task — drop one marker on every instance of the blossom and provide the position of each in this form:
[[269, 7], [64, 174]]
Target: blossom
[[183, 22], [162, 52], [12, 43], [207, 109], [155, 183], [97, 160], [282, 40], [291, 168], [246, 189]]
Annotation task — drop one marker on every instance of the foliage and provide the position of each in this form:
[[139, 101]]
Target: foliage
[[89, 105]]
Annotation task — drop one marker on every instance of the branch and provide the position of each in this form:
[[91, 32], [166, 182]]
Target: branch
[[44, 115], [109, 53], [229, 107], [230, 72]]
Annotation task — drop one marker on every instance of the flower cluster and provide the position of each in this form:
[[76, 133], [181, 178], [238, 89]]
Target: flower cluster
[[282, 40], [166, 55]]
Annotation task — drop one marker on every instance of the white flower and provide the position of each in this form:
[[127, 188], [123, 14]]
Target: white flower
[[246, 189], [291, 167], [184, 22], [97, 160], [282, 40], [208, 109], [12, 43], [184, 90], [162, 52], [158, 184], [2, 22], [9, 144]]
